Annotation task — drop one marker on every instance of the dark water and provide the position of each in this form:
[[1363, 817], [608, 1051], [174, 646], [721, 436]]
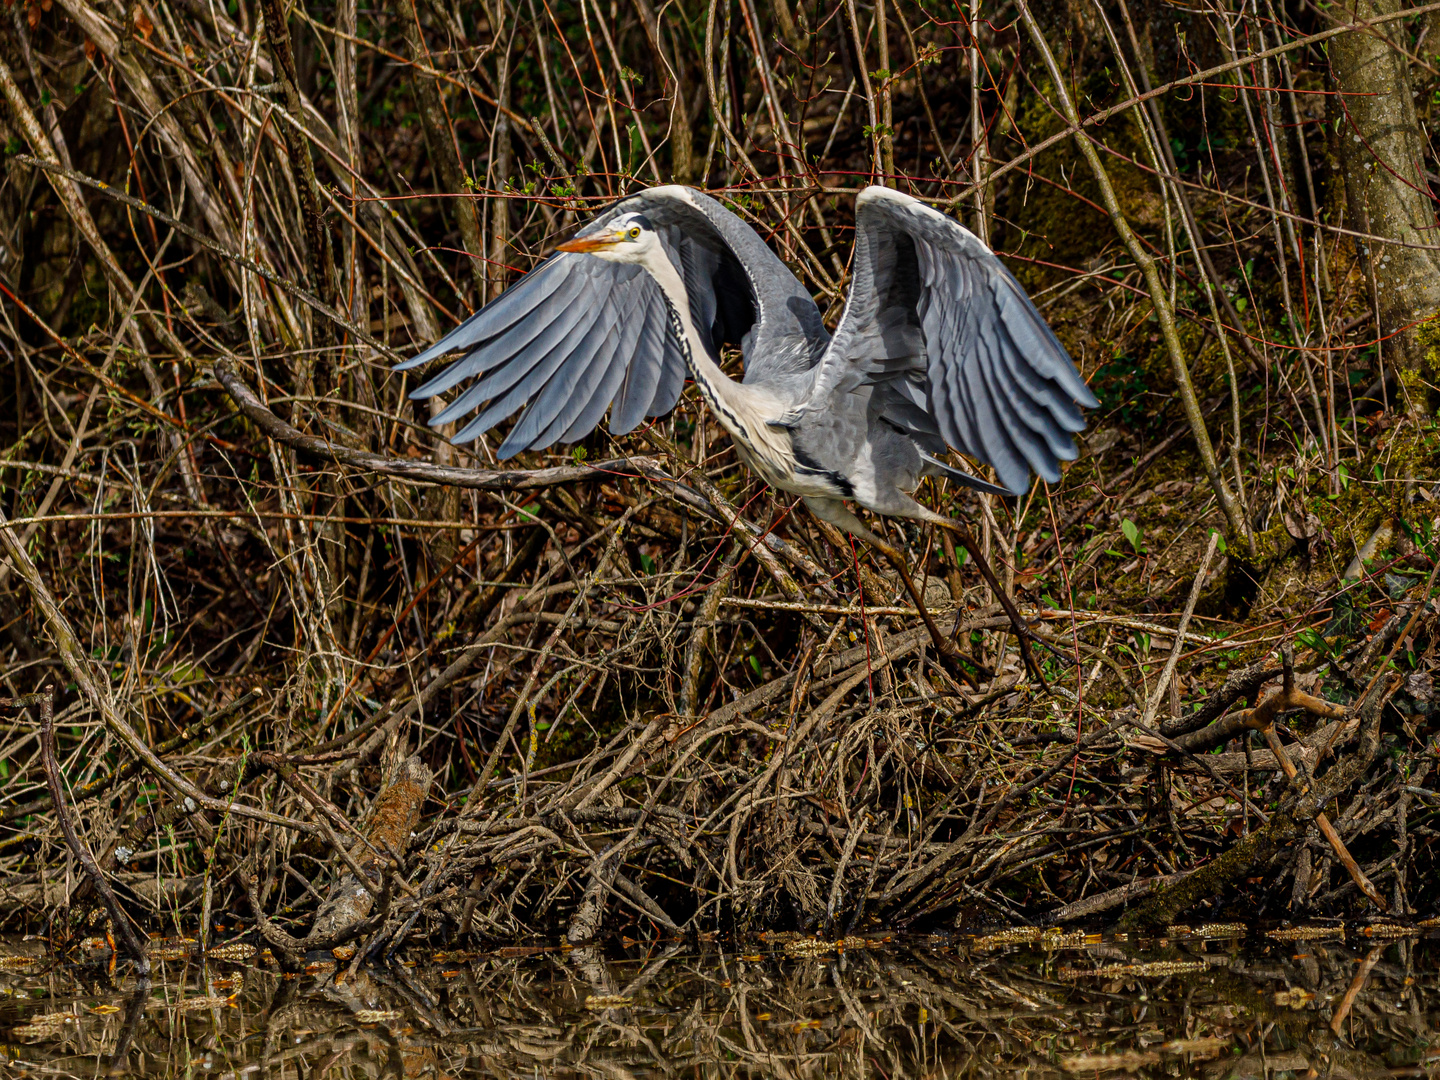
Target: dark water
[[1209, 1002]]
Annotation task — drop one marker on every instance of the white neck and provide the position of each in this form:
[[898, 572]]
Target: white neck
[[717, 387], [745, 411]]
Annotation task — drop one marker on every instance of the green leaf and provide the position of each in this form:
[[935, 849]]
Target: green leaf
[[1310, 638], [1132, 533], [1220, 544]]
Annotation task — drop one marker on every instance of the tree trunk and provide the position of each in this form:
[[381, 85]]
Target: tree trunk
[[1385, 186]]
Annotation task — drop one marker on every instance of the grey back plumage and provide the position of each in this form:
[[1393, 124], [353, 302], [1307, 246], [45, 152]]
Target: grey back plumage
[[578, 335], [937, 319]]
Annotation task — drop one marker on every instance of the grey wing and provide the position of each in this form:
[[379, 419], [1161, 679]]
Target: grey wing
[[578, 335], [936, 316]]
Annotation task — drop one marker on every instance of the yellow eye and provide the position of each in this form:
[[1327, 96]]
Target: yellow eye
[[635, 232]]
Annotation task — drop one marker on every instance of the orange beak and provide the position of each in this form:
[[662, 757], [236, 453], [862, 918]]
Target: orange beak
[[587, 243]]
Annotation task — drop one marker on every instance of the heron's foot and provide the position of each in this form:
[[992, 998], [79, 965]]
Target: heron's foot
[[954, 661]]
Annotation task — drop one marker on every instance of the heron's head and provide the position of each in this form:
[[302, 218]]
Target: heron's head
[[630, 238]]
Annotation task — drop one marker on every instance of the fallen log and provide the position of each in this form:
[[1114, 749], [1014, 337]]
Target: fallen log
[[395, 815]]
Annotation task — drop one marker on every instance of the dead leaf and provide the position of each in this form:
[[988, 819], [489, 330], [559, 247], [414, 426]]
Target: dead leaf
[[1301, 526], [1148, 743]]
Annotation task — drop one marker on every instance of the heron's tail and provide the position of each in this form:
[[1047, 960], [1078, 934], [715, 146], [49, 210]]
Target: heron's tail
[[960, 476]]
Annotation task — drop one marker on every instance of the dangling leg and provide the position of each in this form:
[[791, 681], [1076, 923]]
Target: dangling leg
[[1022, 630], [834, 511]]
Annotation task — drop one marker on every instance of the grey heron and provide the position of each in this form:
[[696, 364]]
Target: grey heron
[[937, 347]]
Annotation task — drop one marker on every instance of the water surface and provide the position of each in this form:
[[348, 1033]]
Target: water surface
[[1215, 1002]]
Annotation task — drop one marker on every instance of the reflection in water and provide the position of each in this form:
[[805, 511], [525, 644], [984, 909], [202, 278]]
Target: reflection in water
[[1211, 1002]]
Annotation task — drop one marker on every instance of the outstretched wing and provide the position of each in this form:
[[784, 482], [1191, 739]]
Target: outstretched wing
[[578, 335], [933, 313]]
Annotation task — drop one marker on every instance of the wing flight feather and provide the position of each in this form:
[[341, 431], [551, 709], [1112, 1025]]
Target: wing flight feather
[[998, 382], [637, 389]]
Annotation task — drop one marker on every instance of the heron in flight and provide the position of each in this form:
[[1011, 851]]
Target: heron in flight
[[938, 347]]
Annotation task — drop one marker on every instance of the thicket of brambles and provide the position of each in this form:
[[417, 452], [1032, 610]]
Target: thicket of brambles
[[265, 631]]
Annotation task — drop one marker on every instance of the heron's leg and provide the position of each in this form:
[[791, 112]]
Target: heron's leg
[[967, 541], [836, 513]]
